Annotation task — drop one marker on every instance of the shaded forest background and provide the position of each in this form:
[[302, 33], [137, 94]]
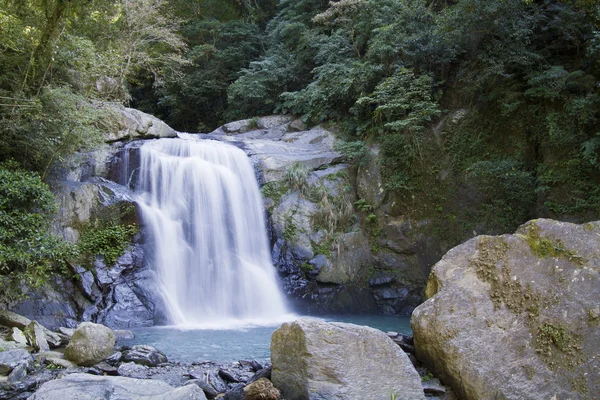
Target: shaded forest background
[[485, 113]]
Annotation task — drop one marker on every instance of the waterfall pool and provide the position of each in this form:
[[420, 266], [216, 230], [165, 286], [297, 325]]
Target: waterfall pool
[[188, 345]]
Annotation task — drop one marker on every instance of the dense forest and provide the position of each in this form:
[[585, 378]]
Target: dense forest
[[485, 113]]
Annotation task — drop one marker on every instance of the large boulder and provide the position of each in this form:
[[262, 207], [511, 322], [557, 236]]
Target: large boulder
[[313, 359], [86, 386], [90, 344], [516, 316], [135, 124]]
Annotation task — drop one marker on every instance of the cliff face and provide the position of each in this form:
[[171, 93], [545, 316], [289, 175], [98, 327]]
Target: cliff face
[[335, 241], [338, 241]]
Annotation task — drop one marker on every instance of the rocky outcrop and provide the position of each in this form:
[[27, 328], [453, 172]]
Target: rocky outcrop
[[135, 124], [516, 316], [339, 241], [79, 386], [90, 344], [313, 359]]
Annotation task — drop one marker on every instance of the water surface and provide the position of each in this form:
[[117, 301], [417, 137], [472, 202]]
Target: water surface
[[249, 342]]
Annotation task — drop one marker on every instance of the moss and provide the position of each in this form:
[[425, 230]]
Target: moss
[[589, 227], [306, 267], [323, 247], [557, 346], [274, 191], [529, 371], [593, 316], [289, 230], [579, 385], [544, 247]]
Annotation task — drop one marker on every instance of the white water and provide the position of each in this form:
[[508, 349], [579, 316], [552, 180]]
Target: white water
[[204, 215]]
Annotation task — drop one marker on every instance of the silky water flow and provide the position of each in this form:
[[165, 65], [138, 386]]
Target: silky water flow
[[204, 219]]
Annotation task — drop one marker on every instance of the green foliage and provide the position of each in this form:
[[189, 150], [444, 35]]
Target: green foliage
[[508, 193], [196, 96], [354, 151], [109, 241], [46, 128], [28, 252]]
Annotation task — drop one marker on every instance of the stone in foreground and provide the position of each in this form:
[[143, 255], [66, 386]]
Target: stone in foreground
[[316, 360], [516, 317], [90, 344], [86, 386]]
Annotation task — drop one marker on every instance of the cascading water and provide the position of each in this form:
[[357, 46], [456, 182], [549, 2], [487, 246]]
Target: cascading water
[[204, 218]]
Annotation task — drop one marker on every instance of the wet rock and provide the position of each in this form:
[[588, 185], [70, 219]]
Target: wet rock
[[90, 344], [144, 355], [263, 373], [114, 358], [208, 390], [215, 381], [9, 359], [228, 376], [311, 361], [256, 366], [236, 393], [106, 368], [509, 316], [80, 386], [262, 389], [18, 373]]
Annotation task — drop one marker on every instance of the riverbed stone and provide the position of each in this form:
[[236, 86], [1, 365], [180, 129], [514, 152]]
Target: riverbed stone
[[36, 337], [313, 359], [208, 390], [86, 386], [90, 344], [18, 336], [144, 355], [512, 316], [18, 373], [133, 370], [9, 359]]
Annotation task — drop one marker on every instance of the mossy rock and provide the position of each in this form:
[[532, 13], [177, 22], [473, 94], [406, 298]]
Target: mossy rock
[[514, 316]]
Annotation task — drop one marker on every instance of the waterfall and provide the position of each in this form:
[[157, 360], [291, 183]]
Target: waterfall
[[204, 218]]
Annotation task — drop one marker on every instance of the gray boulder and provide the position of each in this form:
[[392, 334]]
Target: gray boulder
[[516, 316], [135, 124], [90, 344], [313, 359], [86, 386], [10, 359], [13, 320]]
